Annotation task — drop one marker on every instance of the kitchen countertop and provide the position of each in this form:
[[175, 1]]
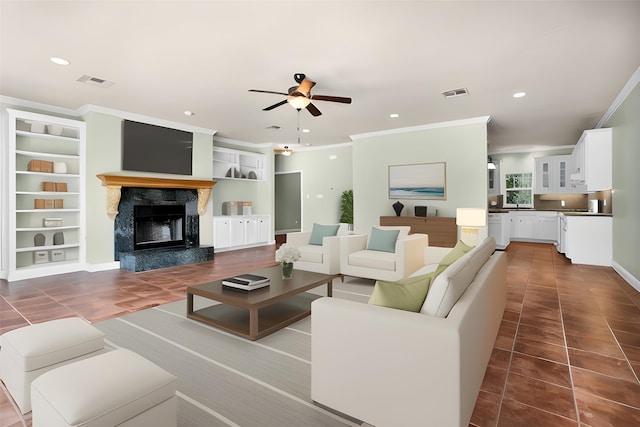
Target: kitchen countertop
[[568, 212]]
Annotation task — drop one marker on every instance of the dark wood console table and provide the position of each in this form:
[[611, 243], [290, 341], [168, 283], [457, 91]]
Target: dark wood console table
[[442, 231]]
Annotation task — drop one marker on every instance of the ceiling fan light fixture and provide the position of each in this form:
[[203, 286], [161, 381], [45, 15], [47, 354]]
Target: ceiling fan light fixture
[[286, 151], [298, 102], [490, 164]]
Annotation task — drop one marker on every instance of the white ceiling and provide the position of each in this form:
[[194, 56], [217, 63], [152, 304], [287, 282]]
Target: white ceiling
[[571, 58]]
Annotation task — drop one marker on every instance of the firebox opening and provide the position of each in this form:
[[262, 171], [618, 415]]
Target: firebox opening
[[158, 226]]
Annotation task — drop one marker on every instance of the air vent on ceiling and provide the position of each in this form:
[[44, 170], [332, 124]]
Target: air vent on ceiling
[[95, 81], [455, 92]]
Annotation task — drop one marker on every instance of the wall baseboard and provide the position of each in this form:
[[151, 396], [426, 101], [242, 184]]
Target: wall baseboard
[[92, 268], [626, 275]]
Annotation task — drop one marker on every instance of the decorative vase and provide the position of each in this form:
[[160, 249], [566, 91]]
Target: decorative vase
[[287, 270], [397, 206]]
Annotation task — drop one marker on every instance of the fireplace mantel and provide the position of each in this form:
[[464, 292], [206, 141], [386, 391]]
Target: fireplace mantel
[[114, 184]]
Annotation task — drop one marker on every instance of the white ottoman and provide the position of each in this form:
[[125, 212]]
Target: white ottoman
[[33, 350], [119, 388]]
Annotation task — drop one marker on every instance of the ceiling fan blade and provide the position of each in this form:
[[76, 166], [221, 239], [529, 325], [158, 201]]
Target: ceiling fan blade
[[271, 107], [268, 91], [331, 98], [305, 86], [313, 110]]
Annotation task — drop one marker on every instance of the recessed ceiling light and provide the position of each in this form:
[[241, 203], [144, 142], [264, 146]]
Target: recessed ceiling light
[[394, 115], [188, 113], [519, 94], [306, 130], [59, 61]]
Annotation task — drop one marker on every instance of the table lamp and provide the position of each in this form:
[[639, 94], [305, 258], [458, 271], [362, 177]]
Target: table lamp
[[470, 219]]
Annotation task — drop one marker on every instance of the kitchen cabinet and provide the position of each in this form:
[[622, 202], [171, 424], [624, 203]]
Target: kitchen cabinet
[[552, 174], [46, 183], [235, 231], [535, 226], [499, 228], [238, 164], [588, 239], [592, 161]]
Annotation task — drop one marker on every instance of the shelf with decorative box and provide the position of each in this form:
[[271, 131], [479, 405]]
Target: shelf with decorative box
[[46, 195]]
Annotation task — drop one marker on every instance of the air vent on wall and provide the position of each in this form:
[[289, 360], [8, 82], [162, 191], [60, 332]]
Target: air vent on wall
[[95, 81], [455, 92]]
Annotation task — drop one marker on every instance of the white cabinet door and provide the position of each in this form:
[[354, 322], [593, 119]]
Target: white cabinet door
[[592, 161], [543, 175], [250, 231], [552, 174], [264, 225], [547, 229], [499, 228], [493, 180], [221, 232], [524, 226], [589, 239], [236, 234]]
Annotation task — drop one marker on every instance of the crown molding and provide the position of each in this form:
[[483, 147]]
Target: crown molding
[[52, 109], [622, 96], [463, 122], [90, 108]]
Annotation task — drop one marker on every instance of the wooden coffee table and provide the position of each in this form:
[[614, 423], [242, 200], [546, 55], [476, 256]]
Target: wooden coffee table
[[255, 314]]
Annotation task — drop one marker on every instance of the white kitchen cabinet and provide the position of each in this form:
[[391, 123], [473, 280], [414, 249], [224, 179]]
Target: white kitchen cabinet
[[46, 183], [238, 164], [499, 226], [234, 231], [588, 239], [535, 226], [592, 161], [552, 174]]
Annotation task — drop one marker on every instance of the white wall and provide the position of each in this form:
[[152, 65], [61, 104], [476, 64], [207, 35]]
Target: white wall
[[462, 145]]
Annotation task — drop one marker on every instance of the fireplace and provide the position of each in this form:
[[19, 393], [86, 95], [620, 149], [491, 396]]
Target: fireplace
[[158, 226]]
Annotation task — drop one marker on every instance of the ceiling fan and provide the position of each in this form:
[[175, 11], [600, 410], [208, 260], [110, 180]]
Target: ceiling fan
[[285, 151], [300, 96]]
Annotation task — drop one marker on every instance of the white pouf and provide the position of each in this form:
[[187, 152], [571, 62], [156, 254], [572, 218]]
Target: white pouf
[[119, 388], [30, 351]]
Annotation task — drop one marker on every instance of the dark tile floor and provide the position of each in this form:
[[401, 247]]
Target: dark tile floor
[[567, 354]]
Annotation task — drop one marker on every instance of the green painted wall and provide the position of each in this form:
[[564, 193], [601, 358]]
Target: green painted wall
[[326, 173], [626, 179], [462, 146]]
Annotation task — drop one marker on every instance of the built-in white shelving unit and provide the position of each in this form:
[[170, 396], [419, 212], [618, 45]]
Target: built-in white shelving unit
[[238, 164], [53, 140]]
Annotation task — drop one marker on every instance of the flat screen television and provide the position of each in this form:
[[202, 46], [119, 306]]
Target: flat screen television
[[151, 148]]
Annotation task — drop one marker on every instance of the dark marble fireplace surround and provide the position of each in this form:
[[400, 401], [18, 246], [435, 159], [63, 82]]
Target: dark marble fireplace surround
[[157, 256]]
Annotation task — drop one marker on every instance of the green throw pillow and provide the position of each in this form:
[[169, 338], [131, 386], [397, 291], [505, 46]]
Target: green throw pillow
[[456, 253], [406, 294], [319, 231], [383, 240]]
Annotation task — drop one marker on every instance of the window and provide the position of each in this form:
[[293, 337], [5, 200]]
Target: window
[[519, 188]]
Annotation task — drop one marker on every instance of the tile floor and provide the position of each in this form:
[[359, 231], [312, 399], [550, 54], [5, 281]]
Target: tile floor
[[567, 354]]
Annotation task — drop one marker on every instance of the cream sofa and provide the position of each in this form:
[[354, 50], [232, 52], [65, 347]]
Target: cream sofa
[[323, 258], [397, 368], [356, 260]]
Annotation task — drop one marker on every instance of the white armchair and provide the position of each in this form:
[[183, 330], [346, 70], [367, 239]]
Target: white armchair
[[323, 258], [358, 261]]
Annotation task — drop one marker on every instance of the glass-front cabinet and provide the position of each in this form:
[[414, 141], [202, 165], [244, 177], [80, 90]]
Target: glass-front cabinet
[[46, 195]]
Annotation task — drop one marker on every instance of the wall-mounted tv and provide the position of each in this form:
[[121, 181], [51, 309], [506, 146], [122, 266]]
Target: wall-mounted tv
[[150, 148]]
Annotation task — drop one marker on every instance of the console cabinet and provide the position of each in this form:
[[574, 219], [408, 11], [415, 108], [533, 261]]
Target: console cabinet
[[442, 231], [46, 195], [235, 231]]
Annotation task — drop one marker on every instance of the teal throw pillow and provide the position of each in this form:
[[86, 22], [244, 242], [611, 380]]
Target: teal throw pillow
[[383, 240], [319, 231], [456, 253], [406, 294]]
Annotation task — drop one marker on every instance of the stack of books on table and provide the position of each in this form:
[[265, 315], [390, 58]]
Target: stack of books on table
[[246, 282]]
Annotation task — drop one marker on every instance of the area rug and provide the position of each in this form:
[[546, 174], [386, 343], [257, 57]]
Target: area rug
[[225, 380]]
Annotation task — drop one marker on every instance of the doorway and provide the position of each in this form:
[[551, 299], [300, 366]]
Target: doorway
[[288, 202]]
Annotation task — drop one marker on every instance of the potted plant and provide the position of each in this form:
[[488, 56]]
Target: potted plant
[[346, 207]]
